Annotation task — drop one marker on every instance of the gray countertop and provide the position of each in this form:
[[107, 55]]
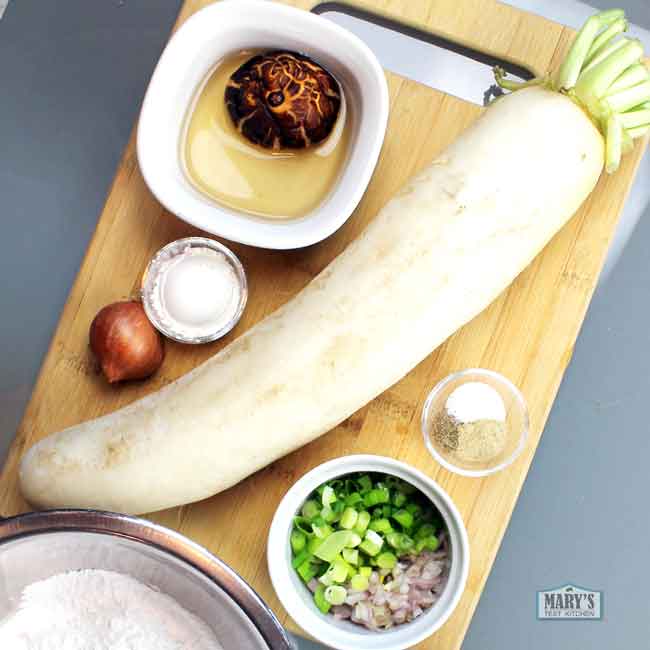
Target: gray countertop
[[72, 76]]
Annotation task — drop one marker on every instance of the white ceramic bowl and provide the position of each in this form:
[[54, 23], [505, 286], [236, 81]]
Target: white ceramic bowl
[[230, 26], [298, 600]]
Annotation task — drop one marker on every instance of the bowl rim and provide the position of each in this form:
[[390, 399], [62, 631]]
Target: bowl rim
[[162, 538], [195, 242], [227, 223], [280, 571], [495, 376]]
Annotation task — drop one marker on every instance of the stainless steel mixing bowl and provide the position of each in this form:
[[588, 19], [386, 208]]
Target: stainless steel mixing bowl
[[38, 545]]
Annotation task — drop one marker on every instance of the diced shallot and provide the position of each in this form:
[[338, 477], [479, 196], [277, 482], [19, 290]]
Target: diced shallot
[[399, 595]]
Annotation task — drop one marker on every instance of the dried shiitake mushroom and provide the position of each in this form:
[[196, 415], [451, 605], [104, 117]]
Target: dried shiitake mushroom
[[283, 100]]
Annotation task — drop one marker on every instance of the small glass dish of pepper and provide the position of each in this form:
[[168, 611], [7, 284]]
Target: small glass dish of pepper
[[475, 422]]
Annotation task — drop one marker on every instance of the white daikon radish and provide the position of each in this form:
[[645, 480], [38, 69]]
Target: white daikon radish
[[436, 255]]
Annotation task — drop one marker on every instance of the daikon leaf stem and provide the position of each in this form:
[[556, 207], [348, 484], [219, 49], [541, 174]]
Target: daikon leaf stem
[[634, 75], [632, 119], [613, 144], [617, 27], [575, 60], [605, 74]]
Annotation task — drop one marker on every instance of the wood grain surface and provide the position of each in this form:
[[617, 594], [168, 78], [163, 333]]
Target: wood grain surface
[[528, 333]]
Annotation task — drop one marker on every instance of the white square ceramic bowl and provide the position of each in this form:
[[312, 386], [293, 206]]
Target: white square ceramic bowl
[[230, 26]]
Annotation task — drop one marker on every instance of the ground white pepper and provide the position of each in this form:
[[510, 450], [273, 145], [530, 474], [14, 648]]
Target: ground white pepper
[[481, 434]]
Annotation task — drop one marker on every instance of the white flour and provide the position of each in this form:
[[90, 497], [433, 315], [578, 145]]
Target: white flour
[[101, 610]]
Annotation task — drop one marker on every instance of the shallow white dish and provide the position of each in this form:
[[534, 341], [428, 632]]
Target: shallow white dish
[[297, 599], [231, 26]]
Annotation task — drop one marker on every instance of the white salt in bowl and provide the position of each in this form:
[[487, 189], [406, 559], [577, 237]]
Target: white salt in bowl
[[298, 600], [150, 290], [516, 421]]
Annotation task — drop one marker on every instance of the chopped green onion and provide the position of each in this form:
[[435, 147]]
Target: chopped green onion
[[300, 557], [360, 582], [364, 560], [333, 544], [381, 526], [376, 496], [355, 540], [386, 560], [404, 518], [429, 543], [314, 543], [341, 570], [326, 578], [307, 571], [425, 530], [349, 486], [322, 531], [302, 524], [353, 498], [340, 544], [351, 555], [335, 594], [365, 483], [336, 572], [372, 543], [328, 497], [328, 515], [349, 518], [374, 538], [362, 522], [414, 508], [400, 542], [319, 599], [298, 540], [310, 509]]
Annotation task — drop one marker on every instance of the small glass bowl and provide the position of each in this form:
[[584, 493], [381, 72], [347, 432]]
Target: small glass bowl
[[516, 422], [154, 268]]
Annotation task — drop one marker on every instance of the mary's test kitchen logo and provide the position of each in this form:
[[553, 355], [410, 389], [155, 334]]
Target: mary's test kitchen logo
[[570, 602]]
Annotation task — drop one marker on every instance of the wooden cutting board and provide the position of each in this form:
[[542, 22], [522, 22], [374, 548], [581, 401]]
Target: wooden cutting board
[[528, 333]]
